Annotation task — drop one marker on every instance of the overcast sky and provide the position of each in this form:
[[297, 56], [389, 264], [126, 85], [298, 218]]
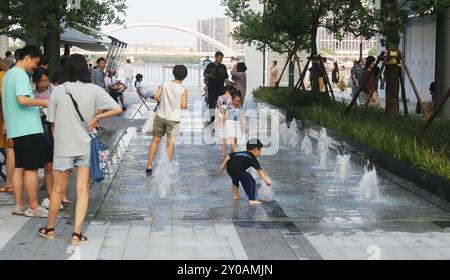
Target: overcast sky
[[184, 13]]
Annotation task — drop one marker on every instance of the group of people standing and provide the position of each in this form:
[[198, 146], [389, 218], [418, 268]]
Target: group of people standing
[[43, 129], [362, 77]]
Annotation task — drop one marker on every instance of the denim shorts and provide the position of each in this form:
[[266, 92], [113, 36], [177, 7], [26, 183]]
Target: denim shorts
[[67, 163]]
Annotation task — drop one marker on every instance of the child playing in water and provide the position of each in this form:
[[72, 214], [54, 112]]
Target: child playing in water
[[237, 165], [223, 103]]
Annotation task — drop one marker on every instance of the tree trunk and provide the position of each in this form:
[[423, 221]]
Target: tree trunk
[[392, 35], [32, 23], [52, 50], [315, 87], [392, 89]]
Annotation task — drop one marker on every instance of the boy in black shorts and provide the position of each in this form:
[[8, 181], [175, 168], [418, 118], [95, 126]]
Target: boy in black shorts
[[237, 165]]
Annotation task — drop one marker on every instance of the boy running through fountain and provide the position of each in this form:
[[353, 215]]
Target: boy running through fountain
[[237, 165]]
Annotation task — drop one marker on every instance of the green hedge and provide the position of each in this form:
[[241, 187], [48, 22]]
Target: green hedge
[[394, 135]]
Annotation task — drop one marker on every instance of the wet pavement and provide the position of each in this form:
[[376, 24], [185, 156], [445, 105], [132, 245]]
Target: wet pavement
[[314, 214]]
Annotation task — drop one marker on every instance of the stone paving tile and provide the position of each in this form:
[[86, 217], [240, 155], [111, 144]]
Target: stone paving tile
[[401, 253], [330, 253], [135, 253], [182, 229], [178, 253], [161, 229], [263, 244], [112, 253], [140, 229], [355, 252], [114, 242], [137, 241], [214, 253], [427, 253], [204, 229]]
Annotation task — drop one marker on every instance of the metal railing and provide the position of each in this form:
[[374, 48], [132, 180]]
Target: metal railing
[[155, 74]]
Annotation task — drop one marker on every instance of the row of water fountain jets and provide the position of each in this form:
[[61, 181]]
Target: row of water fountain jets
[[369, 184]]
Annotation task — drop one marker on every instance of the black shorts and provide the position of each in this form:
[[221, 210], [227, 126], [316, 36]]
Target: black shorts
[[29, 151], [115, 95]]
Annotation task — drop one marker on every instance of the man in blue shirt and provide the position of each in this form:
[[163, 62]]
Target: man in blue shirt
[[98, 74], [23, 125]]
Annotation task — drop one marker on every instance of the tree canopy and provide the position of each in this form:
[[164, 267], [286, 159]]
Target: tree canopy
[[24, 18], [281, 26]]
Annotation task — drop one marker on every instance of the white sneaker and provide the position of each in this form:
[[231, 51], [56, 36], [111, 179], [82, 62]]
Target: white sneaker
[[36, 213], [46, 204]]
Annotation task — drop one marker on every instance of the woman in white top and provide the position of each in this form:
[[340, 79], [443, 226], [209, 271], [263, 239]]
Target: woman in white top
[[172, 97], [141, 90]]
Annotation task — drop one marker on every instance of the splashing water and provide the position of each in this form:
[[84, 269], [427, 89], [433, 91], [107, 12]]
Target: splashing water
[[306, 148], [284, 133], [369, 185], [323, 148], [292, 135], [266, 193], [343, 167], [166, 173]]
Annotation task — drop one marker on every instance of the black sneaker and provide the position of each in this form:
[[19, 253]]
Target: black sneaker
[[124, 108], [148, 172]]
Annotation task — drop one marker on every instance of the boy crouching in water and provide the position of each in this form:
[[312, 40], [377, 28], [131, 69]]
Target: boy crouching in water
[[237, 165]]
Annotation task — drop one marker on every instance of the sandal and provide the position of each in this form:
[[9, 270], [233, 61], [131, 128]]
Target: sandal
[[6, 189], [80, 238], [46, 233]]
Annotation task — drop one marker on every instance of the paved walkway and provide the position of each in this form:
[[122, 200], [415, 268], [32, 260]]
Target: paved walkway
[[314, 215]]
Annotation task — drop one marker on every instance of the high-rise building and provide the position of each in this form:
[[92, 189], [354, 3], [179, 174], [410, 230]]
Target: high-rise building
[[218, 28]]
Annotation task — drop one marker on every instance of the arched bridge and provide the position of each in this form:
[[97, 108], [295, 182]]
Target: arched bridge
[[226, 50]]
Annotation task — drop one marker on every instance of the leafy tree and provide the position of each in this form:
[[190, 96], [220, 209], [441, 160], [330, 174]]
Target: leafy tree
[[281, 26], [292, 25], [39, 22]]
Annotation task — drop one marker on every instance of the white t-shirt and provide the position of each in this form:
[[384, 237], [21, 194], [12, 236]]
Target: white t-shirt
[[143, 91], [71, 138], [128, 71], [140, 87], [170, 105], [109, 81]]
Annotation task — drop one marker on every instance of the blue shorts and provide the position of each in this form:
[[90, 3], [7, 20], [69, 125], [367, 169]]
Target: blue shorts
[[248, 183], [67, 163]]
